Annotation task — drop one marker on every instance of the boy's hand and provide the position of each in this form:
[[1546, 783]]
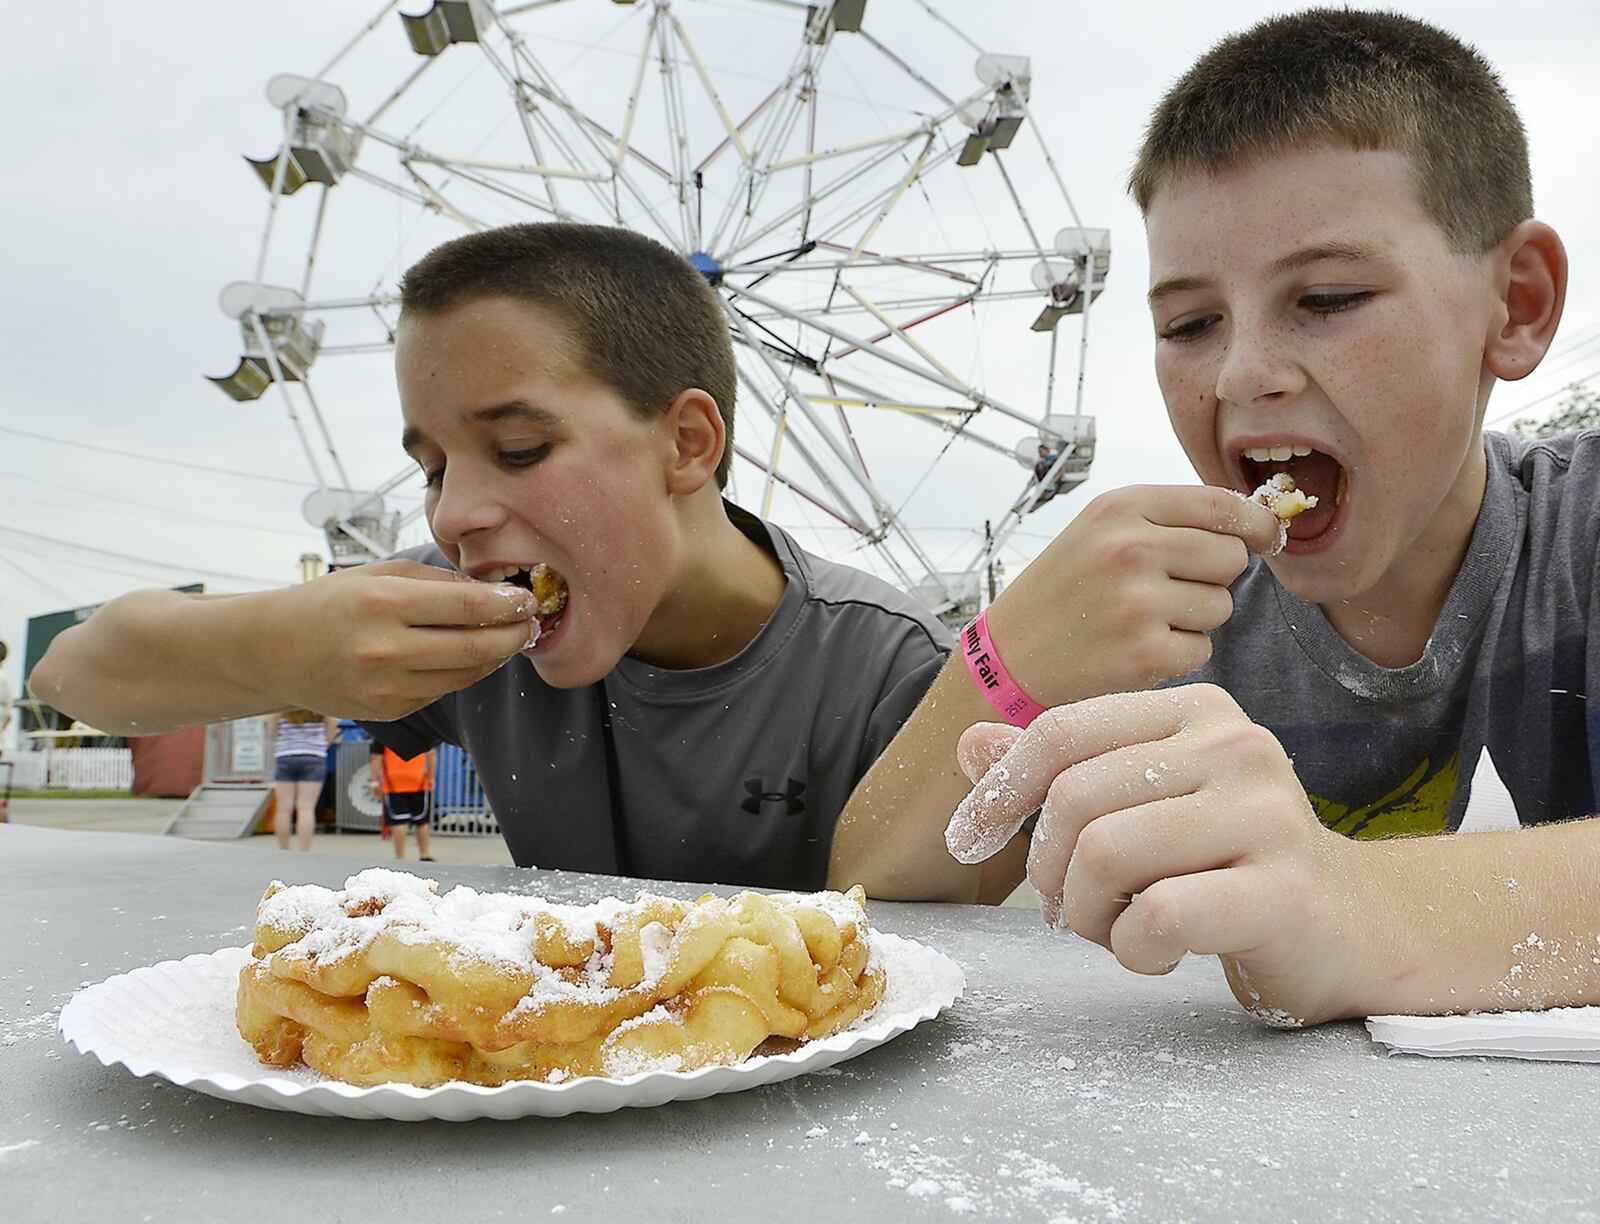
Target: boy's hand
[[1169, 823], [1124, 597], [380, 641]]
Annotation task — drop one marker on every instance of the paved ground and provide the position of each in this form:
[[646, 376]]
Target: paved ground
[[153, 816]]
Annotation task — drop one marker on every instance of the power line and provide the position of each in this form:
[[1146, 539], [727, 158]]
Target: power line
[[35, 580], [72, 492], [146, 561], [127, 454], [1541, 399]]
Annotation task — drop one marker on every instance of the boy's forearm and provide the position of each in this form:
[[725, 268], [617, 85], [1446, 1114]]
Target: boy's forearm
[[1501, 921], [890, 837], [153, 661]]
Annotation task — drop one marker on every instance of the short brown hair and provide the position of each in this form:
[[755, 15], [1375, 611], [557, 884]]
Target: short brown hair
[[644, 321], [1362, 79]]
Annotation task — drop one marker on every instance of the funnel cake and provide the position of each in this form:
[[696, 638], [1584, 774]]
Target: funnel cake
[[387, 981], [1280, 495]]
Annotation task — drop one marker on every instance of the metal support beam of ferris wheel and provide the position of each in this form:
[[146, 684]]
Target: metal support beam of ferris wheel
[[960, 388], [732, 204], [846, 507], [888, 520], [742, 240], [536, 81], [676, 117], [606, 146], [1015, 516], [711, 91], [840, 507], [545, 86]]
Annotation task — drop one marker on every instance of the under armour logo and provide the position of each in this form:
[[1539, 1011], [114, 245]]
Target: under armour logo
[[789, 796]]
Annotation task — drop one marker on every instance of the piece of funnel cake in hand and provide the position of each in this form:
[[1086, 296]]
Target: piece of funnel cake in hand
[[1279, 494], [387, 981]]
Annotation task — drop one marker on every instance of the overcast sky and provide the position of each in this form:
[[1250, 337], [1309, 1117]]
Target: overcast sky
[[128, 208]]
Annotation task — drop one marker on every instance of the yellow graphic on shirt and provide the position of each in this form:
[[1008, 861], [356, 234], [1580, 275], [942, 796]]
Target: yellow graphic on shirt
[[1418, 806]]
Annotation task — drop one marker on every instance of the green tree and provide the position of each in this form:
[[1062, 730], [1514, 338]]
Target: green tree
[[1580, 409]]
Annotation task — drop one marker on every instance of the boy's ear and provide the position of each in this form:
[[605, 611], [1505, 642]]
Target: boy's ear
[[695, 428], [1531, 278]]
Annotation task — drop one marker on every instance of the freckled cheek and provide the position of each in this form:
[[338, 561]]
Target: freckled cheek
[[1190, 408]]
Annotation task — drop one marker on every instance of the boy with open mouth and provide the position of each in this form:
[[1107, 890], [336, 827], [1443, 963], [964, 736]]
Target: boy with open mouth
[[1343, 264], [649, 680]]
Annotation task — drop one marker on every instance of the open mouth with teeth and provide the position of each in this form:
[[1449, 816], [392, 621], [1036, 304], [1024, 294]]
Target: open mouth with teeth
[[1318, 476], [549, 590]]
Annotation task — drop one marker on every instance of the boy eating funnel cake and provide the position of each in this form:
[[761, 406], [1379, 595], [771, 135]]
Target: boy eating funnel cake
[[697, 697], [1344, 262]]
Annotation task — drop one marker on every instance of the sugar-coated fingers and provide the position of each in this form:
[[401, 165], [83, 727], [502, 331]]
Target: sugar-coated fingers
[[1081, 796], [1220, 512], [982, 744], [1016, 785], [1126, 853], [1208, 913], [420, 594]]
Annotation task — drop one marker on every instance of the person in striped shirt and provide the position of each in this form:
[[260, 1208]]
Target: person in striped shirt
[[300, 760]]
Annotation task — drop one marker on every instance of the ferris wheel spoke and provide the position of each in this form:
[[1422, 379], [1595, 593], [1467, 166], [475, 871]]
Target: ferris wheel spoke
[[732, 129], [632, 110], [316, 241], [841, 224], [434, 199], [676, 119], [748, 169], [400, 90], [774, 136], [253, 321], [1049, 160], [322, 73], [878, 46], [794, 486], [796, 398], [744, 241], [1022, 211], [841, 506], [616, 148]]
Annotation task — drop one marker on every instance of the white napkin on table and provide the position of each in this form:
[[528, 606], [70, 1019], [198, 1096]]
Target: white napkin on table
[[1562, 1034]]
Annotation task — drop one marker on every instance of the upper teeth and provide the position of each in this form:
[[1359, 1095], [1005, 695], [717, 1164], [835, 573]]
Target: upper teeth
[[1275, 454], [503, 573]]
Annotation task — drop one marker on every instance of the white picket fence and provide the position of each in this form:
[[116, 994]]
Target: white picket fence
[[73, 769]]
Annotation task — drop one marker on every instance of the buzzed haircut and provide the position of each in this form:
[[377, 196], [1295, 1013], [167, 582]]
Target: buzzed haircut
[[642, 320], [1366, 80]]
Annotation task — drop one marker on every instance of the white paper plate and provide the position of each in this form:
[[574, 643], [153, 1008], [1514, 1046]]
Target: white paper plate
[[175, 1020]]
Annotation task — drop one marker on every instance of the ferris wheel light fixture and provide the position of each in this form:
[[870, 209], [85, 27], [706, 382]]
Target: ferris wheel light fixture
[[446, 22], [842, 16], [275, 335], [318, 147]]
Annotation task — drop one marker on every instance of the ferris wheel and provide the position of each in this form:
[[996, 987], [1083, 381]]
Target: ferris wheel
[[866, 188]]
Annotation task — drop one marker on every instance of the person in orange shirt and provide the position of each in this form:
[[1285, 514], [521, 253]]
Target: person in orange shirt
[[407, 788]]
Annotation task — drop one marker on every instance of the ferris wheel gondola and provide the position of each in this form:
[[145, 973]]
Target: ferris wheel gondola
[[866, 220]]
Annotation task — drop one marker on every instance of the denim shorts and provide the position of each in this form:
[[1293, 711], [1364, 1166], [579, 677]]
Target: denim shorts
[[302, 768]]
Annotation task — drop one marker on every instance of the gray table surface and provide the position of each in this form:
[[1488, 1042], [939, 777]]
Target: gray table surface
[[1060, 1087]]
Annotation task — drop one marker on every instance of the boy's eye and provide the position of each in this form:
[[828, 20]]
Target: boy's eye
[[1188, 329], [433, 479], [524, 458], [1324, 304]]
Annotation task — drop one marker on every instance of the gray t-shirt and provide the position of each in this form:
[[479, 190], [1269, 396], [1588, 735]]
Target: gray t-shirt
[[1516, 651], [732, 774]]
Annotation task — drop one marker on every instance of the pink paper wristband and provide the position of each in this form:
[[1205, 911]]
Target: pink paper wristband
[[991, 677]]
